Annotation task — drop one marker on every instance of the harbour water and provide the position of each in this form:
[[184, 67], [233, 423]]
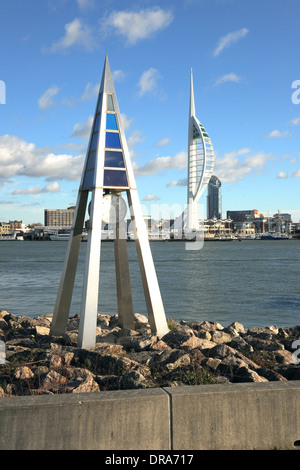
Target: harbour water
[[254, 282]]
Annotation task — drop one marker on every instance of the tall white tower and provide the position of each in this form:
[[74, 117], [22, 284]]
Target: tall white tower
[[201, 159]]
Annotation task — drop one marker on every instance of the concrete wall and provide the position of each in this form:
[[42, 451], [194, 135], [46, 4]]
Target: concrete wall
[[211, 417]]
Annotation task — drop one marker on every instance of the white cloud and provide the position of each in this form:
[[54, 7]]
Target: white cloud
[[296, 174], [134, 139], [90, 92], [118, 75], [182, 182], [230, 77], [282, 175], [163, 142], [126, 122], [76, 33], [83, 130], [18, 157], [151, 197], [138, 25], [45, 101], [276, 134], [236, 165], [148, 81], [35, 190], [294, 121], [179, 161], [85, 4], [229, 39]]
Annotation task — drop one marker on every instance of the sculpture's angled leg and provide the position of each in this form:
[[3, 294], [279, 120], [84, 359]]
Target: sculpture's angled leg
[[156, 312], [89, 305], [125, 308], [64, 295]]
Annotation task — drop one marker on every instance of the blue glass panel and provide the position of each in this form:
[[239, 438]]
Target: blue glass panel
[[91, 161], [96, 126], [111, 122], [114, 159], [110, 104], [112, 140], [88, 180], [115, 178], [94, 141], [100, 103]]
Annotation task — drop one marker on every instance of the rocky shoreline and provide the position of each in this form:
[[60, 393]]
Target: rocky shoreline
[[192, 353]]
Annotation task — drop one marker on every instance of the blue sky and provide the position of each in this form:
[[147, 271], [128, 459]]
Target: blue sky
[[245, 60]]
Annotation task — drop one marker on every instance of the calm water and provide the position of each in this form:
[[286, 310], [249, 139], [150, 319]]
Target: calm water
[[253, 282]]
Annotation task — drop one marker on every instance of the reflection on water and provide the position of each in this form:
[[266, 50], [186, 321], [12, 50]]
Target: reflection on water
[[253, 282]]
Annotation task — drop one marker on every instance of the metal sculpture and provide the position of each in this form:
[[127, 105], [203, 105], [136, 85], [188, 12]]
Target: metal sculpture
[[107, 173]]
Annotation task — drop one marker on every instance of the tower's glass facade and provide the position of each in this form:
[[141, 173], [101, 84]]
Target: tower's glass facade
[[214, 198]]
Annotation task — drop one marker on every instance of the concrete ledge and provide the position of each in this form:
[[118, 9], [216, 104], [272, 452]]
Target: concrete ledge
[[244, 416], [125, 419], [247, 416]]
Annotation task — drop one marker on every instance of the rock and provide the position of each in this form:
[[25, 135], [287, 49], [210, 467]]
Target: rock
[[210, 326], [133, 380], [138, 318], [220, 336], [23, 373], [127, 332], [3, 313], [53, 381], [78, 380], [170, 359], [3, 325], [195, 352], [238, 327], [204, 334], [114, 321], [160, 345], [263, 342], [85, 386], [182, 337], [137, 343], [42, 330], [270, 375], [143, 357], [103, 320], [262, 333], [239, 343], [282, 357], [244, 374]]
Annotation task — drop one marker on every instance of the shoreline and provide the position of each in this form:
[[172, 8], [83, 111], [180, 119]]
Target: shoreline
[[192, 353]]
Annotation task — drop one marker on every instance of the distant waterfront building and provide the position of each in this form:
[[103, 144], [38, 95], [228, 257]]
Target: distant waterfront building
[[10, 226], [242, 216], [59, 217], [201, 158], [214, 198]]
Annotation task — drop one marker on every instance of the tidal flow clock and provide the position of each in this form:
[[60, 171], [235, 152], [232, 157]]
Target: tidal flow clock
[[107, 173]]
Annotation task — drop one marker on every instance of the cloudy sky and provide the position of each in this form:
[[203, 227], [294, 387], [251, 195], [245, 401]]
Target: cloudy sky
[[245, 60]]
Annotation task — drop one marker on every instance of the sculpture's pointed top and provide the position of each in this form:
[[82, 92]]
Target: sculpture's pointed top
[[107, 84], [192, 102]]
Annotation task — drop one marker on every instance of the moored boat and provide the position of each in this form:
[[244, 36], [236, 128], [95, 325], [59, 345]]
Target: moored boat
[[275, 236]]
